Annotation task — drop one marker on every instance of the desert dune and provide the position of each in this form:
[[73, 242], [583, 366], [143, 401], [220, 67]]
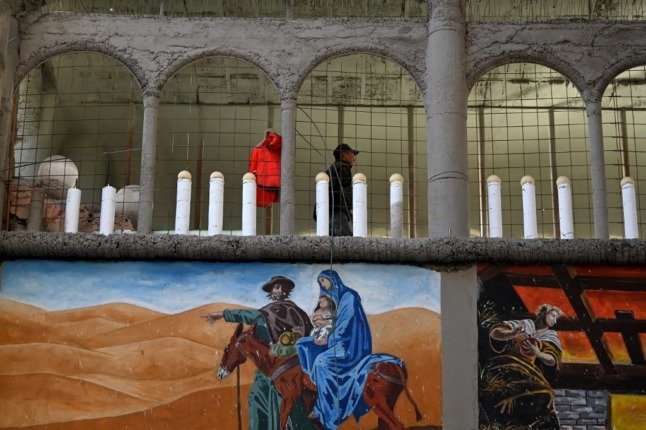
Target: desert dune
[[120, 366]]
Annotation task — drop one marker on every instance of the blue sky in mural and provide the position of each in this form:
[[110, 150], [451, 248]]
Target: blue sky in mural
[[177, 286]]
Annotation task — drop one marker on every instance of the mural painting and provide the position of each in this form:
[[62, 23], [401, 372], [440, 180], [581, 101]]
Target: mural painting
[[104, 345], [558, 345]]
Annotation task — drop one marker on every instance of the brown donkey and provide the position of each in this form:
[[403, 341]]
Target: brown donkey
[[382, 388]]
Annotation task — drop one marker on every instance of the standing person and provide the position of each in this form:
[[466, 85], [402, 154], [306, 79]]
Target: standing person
[[340, 173], [514, 385], [279, 316]]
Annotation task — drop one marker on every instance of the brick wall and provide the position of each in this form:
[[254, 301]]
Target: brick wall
[[581, 409]]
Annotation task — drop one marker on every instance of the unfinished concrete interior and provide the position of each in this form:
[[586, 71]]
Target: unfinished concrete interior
[[443, 92]]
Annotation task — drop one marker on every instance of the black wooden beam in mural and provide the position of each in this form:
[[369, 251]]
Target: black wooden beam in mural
[[548, 281], [619, 325], [631, 337], [611, 283], [576, 295], [627, 379]]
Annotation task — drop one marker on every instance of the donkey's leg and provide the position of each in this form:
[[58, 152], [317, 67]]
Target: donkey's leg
[[380, 394], [286, 407]]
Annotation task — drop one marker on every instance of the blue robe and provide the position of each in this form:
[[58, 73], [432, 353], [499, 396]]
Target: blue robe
[[340, 368]]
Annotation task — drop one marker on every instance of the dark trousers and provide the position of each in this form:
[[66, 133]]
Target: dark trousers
[[340, 224]]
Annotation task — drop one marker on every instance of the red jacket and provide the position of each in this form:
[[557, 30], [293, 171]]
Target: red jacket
[[265, 164]]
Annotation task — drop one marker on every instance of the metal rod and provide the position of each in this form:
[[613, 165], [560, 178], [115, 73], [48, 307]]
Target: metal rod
[[269, 219], [625, 154], [341, 123], [199, 170], [482, 180], [129, 146], [554, 175], [412, 187]]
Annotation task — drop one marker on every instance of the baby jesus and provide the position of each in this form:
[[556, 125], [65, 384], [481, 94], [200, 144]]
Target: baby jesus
[[323, 320]]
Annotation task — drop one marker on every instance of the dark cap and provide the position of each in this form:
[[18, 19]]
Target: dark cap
[[286, 283], [344, 147]]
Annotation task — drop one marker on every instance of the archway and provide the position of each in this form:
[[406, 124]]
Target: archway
[[375, 106], [85, 107], [212, 113], [527, 119]]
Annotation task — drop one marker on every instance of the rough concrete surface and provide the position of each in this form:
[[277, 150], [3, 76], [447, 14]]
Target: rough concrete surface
[[438, 252], [588, 53], [154, 48]]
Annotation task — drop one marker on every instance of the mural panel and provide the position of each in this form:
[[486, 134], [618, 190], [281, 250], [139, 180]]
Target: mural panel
[[105, 345], [559, 344]]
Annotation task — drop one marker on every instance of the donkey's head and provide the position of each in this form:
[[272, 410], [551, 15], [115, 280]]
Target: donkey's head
[[233, 356]]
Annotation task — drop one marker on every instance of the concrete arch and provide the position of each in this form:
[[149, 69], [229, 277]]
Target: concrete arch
[[44, 54], [195, 56], [544, 59], [416, 74], [619, 67]]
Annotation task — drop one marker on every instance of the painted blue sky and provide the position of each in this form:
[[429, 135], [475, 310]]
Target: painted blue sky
[[173, 287]]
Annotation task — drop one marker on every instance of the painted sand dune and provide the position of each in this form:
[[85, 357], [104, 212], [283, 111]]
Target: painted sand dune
[[122, 366]]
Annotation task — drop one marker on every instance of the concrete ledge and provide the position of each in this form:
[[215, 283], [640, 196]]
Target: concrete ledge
[[447, 251]]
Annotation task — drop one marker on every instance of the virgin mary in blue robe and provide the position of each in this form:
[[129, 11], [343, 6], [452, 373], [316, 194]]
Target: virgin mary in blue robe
[[340, 368]]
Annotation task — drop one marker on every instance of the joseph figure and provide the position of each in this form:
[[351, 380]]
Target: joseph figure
[[280, 316]]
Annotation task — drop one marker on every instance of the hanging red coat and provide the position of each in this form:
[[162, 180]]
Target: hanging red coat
[[265, 164]]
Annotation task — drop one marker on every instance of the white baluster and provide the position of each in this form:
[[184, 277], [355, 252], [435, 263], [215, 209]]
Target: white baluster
[[72, 210], [249, 204], [359, 205], [564, 186], [495, 206], [216, 203], [322, 204], [631, 226], [183, 207], [108, 207], [396, 205], [530, 227]]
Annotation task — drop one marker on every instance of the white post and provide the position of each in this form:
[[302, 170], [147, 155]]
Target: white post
[[72, 210], [631, 227], [495, 206], [108, 206], [322, 204], [183, 207], [396, 205], [566, 219], [216, 203], [530, 227], [359, 205], [249, 204]]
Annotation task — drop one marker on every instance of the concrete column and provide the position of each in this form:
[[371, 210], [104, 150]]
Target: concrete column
[[9, 42], [287, 159], [459, 302], [148, 154], [35, 220], [446, 109], [445, 99], [597, 170]]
